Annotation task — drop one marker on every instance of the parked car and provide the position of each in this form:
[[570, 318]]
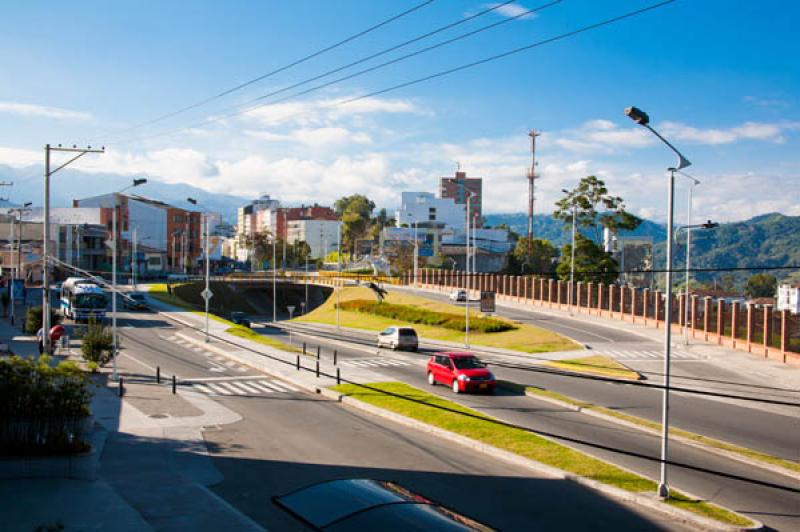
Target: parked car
[[458, 295], [135, 301], [404, 338], [240, 318], [463, 372]]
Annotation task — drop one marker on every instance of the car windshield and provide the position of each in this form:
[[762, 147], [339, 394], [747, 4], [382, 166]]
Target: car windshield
[[467, 363]]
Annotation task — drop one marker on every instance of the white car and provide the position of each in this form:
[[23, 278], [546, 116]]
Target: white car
[[404, 338], [458, 295]]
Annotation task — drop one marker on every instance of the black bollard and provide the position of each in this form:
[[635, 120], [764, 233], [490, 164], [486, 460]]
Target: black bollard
[[158, 374], [298, 362], [317, 352], [338, 376], [174, 384], [334, 357], [318, 369], [304, 348]]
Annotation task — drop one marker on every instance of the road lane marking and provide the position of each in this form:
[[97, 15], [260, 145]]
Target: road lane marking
[[220, 389]]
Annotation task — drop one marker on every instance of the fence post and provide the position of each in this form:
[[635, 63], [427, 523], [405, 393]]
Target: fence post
[[784, 333], [750, 327], [174, 384], [558, 293], [622, 302], [734, 322], [645, 304], [121, 386], [158, 374], [720, 320], [693, 314], [706, 316], [657, 305]]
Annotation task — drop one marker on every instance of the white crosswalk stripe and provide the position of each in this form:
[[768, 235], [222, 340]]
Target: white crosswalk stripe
[[373, 362], [242, 387], [646, 355]]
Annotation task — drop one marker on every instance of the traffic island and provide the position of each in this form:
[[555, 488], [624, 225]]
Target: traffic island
[[600, 365], [519, 337], [422, 410]]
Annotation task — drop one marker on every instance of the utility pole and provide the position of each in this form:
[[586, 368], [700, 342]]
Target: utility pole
[[18, 243], [80, 152], [531, 187]]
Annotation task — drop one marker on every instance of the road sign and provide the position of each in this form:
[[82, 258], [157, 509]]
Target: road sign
[[207, 294], [290, 308], [487, 301]]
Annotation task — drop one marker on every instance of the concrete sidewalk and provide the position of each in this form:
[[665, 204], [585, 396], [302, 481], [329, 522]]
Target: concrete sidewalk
[[153, 470]]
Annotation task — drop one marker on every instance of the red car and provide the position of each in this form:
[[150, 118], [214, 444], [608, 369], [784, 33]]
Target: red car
[[463, 372]]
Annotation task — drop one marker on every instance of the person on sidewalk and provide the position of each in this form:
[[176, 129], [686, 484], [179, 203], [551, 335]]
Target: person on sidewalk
[[40, 339]]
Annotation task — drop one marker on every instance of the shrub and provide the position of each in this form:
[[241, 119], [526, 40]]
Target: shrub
[[44, 409], [98, 342], [411, 314], [33, 319]]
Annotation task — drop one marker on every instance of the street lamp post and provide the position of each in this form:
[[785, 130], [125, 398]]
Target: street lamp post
[[338, 270], [641, 118], [466, 261], [114, 247], [694, 183], [207, 292], [572, 250], [274, 279], [688, 228]]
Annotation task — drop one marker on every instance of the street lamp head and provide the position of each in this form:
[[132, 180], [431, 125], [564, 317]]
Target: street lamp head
[[710, 225], [26, 205], [637, 115], [192, 201], [140, 181]]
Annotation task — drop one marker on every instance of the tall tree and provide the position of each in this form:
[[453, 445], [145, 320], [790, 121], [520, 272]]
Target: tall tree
[[355, 212], [595, 208], [535, 256], [761, 285], [591, 263]]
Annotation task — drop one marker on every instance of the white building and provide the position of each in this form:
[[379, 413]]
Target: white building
[[320, 235], [425, 207], [247, 222], [789, 298]]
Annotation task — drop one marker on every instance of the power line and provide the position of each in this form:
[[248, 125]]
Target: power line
[[280, 69], [239, 110], [439, 74]]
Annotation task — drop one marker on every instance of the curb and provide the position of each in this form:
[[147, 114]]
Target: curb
[[682, 516], [681, 439]]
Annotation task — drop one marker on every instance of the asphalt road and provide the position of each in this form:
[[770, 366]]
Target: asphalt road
[[778, 509], [289, 439]]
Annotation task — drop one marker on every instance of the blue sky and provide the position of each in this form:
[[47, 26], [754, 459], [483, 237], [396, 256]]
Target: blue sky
[[719, 78]]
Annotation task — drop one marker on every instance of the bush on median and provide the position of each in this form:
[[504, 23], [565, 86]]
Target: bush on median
[[98, 343], [411, 314]]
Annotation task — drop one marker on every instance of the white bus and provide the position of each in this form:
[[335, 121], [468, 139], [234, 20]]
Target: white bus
[[81, 299]]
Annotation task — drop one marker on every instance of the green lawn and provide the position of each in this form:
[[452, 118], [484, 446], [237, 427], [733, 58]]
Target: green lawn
[[427, 408], [595, 365], [525, 338]]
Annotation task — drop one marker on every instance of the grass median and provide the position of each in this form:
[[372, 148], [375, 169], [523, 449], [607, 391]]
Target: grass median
[[595, 365], [422, 406], [655, 427], [160, 293], [525, 338]]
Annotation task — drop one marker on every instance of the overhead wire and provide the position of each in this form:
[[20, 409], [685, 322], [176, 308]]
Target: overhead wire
[[429, 77], [280, 69]]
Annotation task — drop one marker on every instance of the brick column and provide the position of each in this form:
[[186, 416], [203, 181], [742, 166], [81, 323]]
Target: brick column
[[750, 327], [767, 329], [720, 323], [622, 302], [633, 304], [734, 322], [681, 309], [558, 292], [693, 314], [550, 283], [706, 316], [541, 290]]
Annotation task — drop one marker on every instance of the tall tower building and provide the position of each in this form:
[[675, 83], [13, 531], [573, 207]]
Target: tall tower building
[[457, 189]]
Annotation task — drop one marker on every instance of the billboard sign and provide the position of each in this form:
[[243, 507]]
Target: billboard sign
[[425, 250], [487, 301], [18, 289]]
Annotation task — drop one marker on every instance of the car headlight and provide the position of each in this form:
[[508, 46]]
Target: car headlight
[[463, 378]]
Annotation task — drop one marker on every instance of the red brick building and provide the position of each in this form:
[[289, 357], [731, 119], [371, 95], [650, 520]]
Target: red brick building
[[458, 187]]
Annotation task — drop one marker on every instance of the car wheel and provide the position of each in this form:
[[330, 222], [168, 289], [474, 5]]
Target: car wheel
[[431, 379], [455, 386], [393, 346]]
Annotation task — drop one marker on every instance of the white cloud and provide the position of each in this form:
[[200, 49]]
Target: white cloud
[[316, 137], [19, 158], [27, 109], [513, 10], [326, 110]]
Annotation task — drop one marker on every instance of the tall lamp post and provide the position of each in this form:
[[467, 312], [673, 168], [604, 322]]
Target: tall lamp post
[[641, 118], [694, 183], [688, 228], [572, 258], [207, 294], [466, 261], [338, 269], [114, 247]]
